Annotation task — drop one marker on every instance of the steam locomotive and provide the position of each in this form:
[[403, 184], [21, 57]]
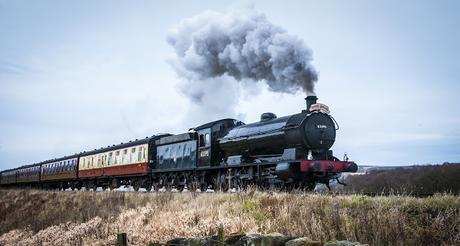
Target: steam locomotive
[[290, 152]]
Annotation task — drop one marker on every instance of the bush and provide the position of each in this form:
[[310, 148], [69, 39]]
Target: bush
[[415, 180]]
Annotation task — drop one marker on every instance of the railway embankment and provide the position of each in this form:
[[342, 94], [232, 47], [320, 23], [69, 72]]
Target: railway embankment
[[32, 217]]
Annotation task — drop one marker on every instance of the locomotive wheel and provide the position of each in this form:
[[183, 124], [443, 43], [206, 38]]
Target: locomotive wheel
[[167, 184], [299, 187], [236, 184], [309, 186], [93, 186], [224, 183], [245, 184], [180, 188], [279, 186], [156, 186], [182, 182], [162, 183], [148, 187], [263, 185], [193, 186], [136, 186], [214, 184], [203, 187], [114, 184], [288, 187]]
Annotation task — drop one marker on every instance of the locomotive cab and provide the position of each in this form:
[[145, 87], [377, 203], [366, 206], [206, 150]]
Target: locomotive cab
[[209, 152]]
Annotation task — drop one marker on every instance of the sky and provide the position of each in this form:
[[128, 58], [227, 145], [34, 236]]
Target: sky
[[79, 75]]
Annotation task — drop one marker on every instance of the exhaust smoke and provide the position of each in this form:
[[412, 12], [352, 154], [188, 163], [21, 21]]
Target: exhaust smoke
[[243, 47]]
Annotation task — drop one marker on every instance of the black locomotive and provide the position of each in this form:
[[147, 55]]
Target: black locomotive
[[283, 153]]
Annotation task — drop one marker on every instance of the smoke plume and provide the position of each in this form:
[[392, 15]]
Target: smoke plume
[[242, 46]]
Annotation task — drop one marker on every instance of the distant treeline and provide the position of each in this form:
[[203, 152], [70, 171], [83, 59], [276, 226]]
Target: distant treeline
[[409, 180]]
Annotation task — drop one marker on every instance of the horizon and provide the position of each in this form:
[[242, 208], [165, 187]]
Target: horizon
[[78, 76]]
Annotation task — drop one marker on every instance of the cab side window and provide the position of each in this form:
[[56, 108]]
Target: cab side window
[[202, 141]]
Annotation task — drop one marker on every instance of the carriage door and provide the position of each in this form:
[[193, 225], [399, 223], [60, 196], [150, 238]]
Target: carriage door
[[204, 147]]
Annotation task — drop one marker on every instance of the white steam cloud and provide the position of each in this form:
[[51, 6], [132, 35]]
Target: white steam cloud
[[243, 46]]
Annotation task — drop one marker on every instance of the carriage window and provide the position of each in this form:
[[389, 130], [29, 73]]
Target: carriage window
[[139, 154], [131, 155], [202, 141], [117, 154], [207, 139], [110, 158], [124, 157]]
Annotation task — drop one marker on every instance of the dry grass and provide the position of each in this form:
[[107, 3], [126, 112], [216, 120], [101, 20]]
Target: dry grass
[[94, 218]]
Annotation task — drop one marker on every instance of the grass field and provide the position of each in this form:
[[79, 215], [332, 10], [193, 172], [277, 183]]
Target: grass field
[[30, 217]]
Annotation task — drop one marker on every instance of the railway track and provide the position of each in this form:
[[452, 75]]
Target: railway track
[[333, 193]]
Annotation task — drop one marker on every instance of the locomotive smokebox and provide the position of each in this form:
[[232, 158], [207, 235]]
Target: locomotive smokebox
[[310, 101]]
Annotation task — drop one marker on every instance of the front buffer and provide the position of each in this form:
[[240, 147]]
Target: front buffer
[[313, 171]]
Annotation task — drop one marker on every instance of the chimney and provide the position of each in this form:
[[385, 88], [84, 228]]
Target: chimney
[[310, 101]]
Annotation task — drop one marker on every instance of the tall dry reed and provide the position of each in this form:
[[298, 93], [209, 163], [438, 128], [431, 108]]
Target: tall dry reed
[[94, 218]]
